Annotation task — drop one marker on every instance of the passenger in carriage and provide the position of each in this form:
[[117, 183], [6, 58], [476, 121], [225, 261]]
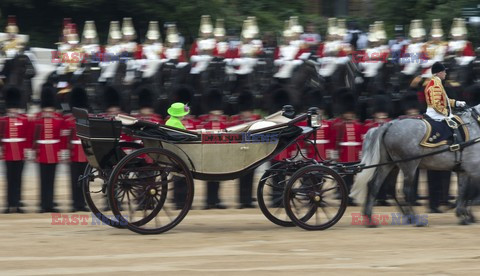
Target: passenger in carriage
[[215, 120]]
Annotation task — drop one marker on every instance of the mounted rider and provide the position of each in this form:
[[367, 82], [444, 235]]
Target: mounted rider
[[334, 50], [173, 51], [439, 106], [293, 51], [414, 51], [459, 47], [130, 50], [152, 50], [249, 48], [113, 50], [201, 52]]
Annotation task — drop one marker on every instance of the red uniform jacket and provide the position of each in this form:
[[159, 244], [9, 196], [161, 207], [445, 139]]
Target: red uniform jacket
[[47, 138], [348, 140], [214, 122], [73, 142], [15, 135]]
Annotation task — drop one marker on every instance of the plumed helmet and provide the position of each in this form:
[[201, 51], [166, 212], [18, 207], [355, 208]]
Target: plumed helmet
[[145, 98], [78, 97], [13, 97], [47, 97], [111, 97]]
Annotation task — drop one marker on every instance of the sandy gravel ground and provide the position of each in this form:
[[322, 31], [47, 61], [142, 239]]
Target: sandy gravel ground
[[231, 242]]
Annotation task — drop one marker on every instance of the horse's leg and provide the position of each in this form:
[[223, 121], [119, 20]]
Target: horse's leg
[[409, 170], [373, 187], [462, 213]]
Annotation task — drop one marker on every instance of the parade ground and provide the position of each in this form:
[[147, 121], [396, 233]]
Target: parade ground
[[230, 242]]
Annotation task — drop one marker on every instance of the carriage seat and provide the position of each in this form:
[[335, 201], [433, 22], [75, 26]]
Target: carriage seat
[[258, 125], [150, 130]]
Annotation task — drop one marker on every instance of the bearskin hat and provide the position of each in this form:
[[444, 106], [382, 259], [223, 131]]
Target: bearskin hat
[[410, 101], [214, 100], [473, 93], [78, 98], [314, 98], [245, 101], [183, 94], [280, 97], [347, 103], [13, 97], [145, 98], [381, 103], [47, 97], [111, 97]]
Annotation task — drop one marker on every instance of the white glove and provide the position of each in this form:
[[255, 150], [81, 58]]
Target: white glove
[[64, 155], [460, 104], [29, 154]]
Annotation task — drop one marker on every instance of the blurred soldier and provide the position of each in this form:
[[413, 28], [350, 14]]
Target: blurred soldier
[[48, 127], [347, 133], [399, 45], [334, 51], [152, 50], [15, 138], [435, 48], [459, 46], [78, 160], [381, 114], [292, 52], [173, 51], [221, 47], [245, 107], [249, 48], [323, 142], [311, 37], [130, 50], [90, 39], [18, 69], [113, 50], [202, 49], [414, 51], [62, 43], [215, 120]]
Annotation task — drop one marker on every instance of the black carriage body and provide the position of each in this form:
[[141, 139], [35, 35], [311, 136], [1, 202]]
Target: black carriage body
[[100, 138]]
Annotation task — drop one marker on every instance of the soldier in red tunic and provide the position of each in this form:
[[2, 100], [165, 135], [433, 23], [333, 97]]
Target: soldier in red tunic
[[14, 139], [47, 142], [347, 132], [214, 121], [78, 160]]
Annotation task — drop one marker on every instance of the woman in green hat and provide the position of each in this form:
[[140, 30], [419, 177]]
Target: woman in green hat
[[177, 111]]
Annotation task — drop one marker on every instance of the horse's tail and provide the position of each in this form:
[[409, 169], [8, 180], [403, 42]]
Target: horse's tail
[[371, 155]]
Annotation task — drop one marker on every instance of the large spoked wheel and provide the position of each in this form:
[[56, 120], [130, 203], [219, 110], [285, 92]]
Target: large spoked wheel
[[94, 186], [270, 194], [315, 197], [141, 190]]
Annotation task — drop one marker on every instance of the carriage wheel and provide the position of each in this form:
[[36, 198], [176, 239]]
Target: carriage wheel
[[315, 197], [94, 185], [141, 188], [270, 195]]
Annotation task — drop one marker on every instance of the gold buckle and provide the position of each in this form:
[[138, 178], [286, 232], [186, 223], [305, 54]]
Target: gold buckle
[[455, 147], [451, 123]]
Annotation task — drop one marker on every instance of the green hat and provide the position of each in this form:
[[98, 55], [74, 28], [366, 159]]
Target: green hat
[[178, 110]]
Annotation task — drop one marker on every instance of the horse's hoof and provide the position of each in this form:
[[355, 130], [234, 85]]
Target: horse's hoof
[[421, 225], [464, 222], [372, 226], [472, 220]]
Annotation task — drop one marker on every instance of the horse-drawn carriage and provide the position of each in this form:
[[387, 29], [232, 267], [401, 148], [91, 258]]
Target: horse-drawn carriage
[[149, 186]]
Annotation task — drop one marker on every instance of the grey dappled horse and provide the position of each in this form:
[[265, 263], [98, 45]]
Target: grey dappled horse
[[400, 139]]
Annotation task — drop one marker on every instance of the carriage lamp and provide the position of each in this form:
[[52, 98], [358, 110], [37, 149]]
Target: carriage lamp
[[314, 118]]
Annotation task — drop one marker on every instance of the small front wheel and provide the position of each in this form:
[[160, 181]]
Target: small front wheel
[[315, 197]]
